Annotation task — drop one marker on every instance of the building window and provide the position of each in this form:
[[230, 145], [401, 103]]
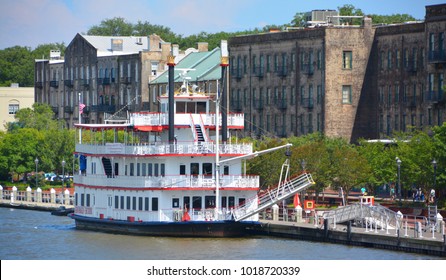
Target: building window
[[13, 108], [347, 60], [346, 94]]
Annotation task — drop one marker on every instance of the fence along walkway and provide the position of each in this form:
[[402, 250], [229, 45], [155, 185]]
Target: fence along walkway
[[364, 213], [271, 197]]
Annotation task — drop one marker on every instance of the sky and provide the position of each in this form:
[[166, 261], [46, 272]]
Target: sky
[[29, 23]]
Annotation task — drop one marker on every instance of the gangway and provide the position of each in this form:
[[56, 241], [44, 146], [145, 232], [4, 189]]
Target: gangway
[[374, 214], [271, 197]]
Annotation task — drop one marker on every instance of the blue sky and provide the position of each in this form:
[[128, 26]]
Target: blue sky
[[31, 22]]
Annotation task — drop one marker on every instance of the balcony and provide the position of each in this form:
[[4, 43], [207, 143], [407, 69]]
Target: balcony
[[307, 103], [236, 106], [69, 83], [125, 80], [282, 104], [68, 109], [282, 71], [307, 69], [435, 96], [258, 104], [85, 82], [103, 108], [236, 73], [437, 56], [259, 71], [104, 81], [54, 84]]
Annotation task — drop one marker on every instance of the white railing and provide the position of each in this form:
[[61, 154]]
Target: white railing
[[159, 119], [163, 148], [180, 181]]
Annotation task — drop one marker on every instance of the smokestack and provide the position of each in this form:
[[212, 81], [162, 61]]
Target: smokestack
[[224, 79], [171, 64]]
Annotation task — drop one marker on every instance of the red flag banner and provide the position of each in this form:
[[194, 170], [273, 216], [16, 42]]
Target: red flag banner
[[81, 108]]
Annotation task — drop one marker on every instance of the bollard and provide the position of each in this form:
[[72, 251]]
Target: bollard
[[39, 195], [1, 192], [275, 212], [28, 194], [53, 195], [67, 197]]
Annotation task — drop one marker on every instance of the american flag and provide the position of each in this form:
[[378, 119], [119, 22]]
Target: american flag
[[81, 108]]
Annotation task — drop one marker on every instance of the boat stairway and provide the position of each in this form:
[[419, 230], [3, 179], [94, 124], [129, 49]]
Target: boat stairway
[[364, 215], [199, 133], [271, 197]]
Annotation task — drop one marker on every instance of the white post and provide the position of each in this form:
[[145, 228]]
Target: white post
[[376, 227], [366, 225], [421, 230], [13, 194], [275, 212], [316, 218], [28, 194], [334, 222], [1, 192], [67, 197], [39, 195], [382, 224], [298, 214], [387, 226], [405, 231], [53, 195]]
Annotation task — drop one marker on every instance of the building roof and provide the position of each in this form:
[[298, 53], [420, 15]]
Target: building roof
[[130, 44], [199, 66]]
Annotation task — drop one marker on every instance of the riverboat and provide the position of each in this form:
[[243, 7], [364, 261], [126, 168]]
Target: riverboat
[[167, 173]]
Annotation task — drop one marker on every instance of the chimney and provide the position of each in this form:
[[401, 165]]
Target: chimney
[[202, 47]]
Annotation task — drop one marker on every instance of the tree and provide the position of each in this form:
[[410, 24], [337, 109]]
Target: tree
[[16, 66], [117, 26], [350, 10], [298, 20], [40, 117]]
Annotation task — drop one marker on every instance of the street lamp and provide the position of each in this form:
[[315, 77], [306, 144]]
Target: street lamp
[[398, 163], [434, 164], [63, 178], [36, 161]]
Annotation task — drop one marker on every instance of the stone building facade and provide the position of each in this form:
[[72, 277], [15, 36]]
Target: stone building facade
[[344, 81]]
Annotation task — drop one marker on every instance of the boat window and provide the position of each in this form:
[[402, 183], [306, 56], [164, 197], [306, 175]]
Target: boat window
[[140, 203], [175, 202], [149, 169], [207, 169], [132, 168], [180, 107], [138, 168], [116, 169], [209, 201], [190, 107], [144, 169], [196, 202], [226, 170], [231, 202], [82, 199], [186, 202], [125, 170], [163, 169], [182, 169], [156, 169], [122, 202], [194, 168], [154, 203], [128, 203], [241, 201], [88, 200], [146, 203], [223, 201], [134, 203], [76, 201], [201, 107], [116, 202]]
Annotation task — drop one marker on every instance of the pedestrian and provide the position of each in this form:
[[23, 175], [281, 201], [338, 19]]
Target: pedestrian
[[432, 196]]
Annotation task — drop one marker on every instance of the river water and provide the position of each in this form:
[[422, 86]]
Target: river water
[[35, 235]]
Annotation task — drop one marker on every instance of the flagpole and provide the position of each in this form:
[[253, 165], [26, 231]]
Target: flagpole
[[80, 120]]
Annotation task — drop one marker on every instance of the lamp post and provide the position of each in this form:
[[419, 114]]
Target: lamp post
[[36, 161], [434, 164], [63, 179], [398, 163]]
